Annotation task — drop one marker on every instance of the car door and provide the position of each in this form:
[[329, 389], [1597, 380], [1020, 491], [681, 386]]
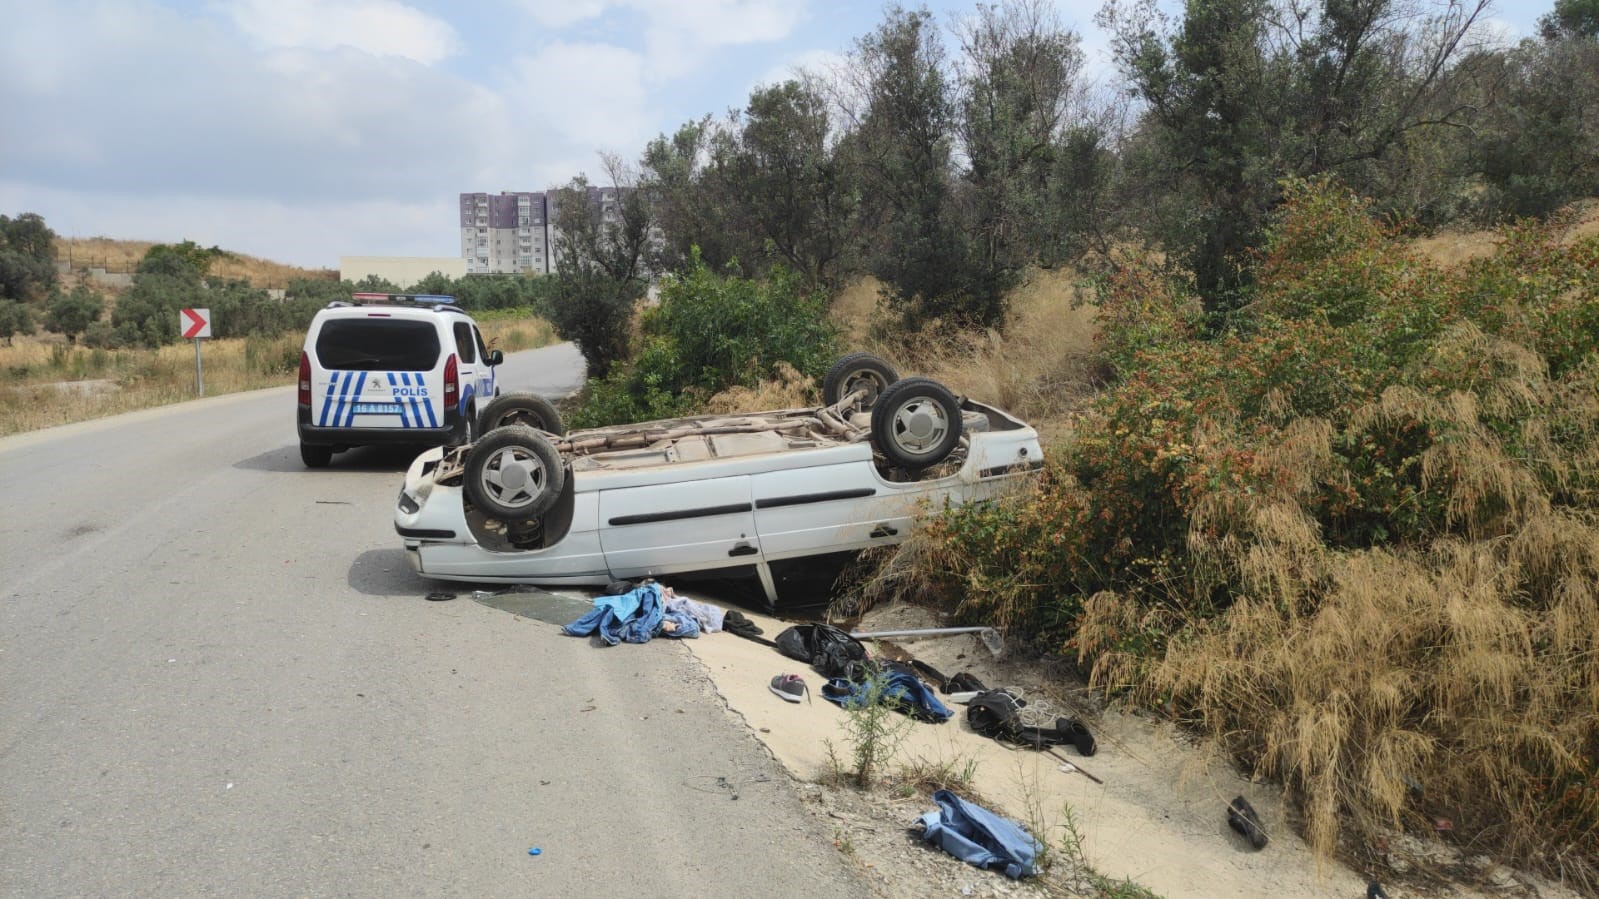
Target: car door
[[658, 529], [825, 509], [487, 388]]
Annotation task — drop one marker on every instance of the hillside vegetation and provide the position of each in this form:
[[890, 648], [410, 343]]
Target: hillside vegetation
[[1354, 537], [116, 255]]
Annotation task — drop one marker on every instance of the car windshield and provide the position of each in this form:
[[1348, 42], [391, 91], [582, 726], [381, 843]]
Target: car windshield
[[373, 344]]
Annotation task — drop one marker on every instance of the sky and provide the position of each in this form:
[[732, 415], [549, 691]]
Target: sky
[[303, 130]]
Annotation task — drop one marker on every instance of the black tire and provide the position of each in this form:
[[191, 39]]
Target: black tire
[[858, 370], [468, 430], [514, 474], [521, 409], [916, 423], [315, 456]]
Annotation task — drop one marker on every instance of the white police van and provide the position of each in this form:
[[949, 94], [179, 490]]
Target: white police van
[[388, 369]]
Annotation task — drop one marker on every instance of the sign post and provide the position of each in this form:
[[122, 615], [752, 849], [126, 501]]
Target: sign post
[[195, 324]]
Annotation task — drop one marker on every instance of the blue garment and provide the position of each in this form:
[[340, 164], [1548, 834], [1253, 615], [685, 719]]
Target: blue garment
[[631, 616], [905, 692], [979, 837], [687, 625]]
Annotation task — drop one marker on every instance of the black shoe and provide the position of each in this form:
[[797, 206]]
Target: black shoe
[[1076, 732], [1242, 818]]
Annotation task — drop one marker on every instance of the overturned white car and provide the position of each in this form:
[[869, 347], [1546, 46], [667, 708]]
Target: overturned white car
[[780, 499]]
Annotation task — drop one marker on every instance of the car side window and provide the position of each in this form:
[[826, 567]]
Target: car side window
[[482, 348], [464, 343]]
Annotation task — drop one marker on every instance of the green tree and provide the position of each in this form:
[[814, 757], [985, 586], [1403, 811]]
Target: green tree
[[170, 259], [1245, 92], [1021, 129], [15, 318], [797, 194], [603, 238], [1571, 18], [695, 205], [72, 313], [902, 143], [27, 258]]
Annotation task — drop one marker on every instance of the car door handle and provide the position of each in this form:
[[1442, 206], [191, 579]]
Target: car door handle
[[884, 530], [743, 549]]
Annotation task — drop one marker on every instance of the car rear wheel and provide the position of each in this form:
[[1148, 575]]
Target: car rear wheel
[[916, 422], [315, 456], [858, 370], [514, 474], [521, 409]]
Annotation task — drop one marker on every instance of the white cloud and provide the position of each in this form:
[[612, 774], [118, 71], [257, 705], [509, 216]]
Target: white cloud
[[561, 13], [678, 34], [379, 27], [575, 99]]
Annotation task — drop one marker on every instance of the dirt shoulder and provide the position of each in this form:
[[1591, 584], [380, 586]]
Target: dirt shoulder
[[1158, 819]]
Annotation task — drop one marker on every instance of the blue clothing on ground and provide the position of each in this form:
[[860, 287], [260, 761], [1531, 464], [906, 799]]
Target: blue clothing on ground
[[633, 617], [614, 617], [905, 692], [979, 837]]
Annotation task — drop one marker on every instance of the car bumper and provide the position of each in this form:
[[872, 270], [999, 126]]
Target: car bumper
[[317, 436]]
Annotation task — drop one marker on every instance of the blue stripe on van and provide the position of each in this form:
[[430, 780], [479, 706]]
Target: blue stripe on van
[[344, 393], [405, 422], [327, 401], [355, 400]]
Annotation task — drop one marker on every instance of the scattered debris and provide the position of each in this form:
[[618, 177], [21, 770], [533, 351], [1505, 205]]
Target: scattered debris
[[440, 597], [979, 837], [535, 851], [1374, 891], [1241, 817]]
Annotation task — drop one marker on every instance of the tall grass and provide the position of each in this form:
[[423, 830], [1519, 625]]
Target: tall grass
[[125, 255]]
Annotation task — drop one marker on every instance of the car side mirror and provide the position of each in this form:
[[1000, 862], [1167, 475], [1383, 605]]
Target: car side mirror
[[496, 357]]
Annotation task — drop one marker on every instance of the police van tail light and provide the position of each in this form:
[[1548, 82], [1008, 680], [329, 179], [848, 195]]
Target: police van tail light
[[452, 383], [305, 380]]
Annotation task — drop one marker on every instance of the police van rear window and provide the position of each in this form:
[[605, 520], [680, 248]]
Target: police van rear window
[[374, 344]]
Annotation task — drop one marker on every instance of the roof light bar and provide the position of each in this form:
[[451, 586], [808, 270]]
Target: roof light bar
[[417, 299]]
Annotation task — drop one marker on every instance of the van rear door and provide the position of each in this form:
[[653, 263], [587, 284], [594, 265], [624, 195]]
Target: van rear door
[[377, 372]]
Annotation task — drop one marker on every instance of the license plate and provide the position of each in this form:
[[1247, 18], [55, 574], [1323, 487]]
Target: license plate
[[377, 408]]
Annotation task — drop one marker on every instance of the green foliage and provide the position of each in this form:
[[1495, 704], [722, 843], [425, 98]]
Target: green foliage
[[72, 313], [931, 266], [15, 318], [711, 332], [27, 258], [874, 730], [180, 259], [600, 254]]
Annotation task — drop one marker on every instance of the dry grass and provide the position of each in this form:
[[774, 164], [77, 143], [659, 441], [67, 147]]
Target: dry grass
[[124, 255], [1453, 248], [1390, 688], [1042, 366], [50, 383]]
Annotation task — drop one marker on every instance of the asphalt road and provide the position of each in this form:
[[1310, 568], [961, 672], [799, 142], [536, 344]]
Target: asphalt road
[[218, 677]]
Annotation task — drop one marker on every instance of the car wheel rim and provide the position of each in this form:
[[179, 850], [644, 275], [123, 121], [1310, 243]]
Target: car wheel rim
[[920, 426], [513, 478]]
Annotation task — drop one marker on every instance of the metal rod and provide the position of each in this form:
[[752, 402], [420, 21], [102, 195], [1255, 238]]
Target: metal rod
[[920, 632]]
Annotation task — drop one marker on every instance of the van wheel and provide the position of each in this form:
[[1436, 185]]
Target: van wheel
[[514, 474], [858, 370], [916, 422], [315, 456], [521, 409]]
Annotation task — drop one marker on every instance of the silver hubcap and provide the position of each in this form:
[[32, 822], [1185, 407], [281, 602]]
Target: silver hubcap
[[514, 477], [920, 426]]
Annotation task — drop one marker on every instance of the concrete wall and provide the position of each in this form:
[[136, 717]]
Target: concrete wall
[[402, 270]]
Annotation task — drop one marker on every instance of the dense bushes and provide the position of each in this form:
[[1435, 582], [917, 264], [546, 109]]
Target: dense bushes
[[1356, 537], [711, 332]]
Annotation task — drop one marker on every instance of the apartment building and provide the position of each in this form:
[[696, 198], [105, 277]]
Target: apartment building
[[515, 231], [506, 232]]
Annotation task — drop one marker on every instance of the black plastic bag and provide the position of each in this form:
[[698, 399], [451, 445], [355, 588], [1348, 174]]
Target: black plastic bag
[[826, 648]]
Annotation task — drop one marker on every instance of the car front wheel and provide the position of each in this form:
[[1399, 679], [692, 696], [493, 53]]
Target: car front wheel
[[916, 423], [514, 474]]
